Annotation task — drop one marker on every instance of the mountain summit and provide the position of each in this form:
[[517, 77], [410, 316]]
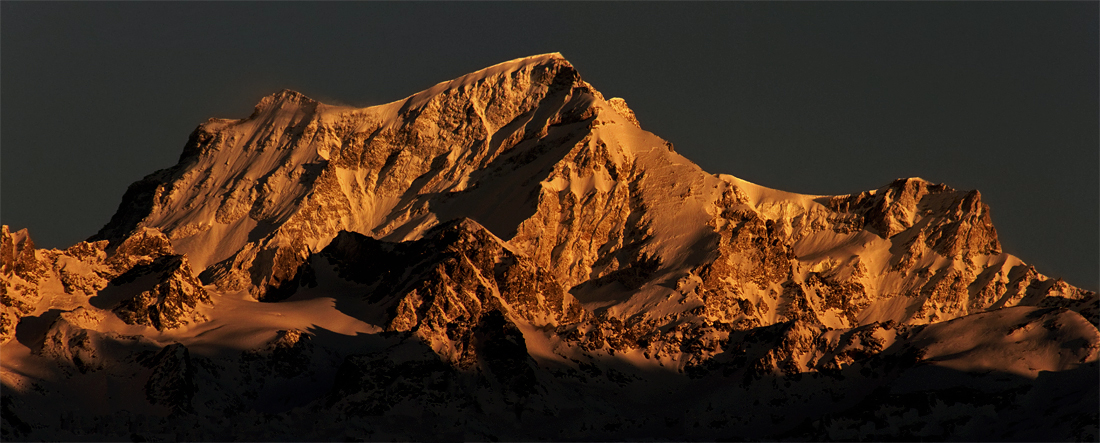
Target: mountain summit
[[511, 243]]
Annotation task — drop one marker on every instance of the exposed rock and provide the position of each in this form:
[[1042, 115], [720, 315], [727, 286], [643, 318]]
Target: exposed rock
[[72, 338], [619, 105], [20, 273], [440, 286], [171, 301], [140, 248]]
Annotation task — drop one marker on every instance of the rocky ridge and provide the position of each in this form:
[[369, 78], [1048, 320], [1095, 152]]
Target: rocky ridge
[[586, 194], [511, 242]]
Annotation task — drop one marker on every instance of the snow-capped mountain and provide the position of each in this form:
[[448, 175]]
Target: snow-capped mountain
[[510, 255]]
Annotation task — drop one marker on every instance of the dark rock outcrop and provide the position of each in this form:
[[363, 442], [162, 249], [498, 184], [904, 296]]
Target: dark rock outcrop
[[172, 383]]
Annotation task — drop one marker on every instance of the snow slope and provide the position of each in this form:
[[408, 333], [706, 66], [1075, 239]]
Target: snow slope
[[512, 244]]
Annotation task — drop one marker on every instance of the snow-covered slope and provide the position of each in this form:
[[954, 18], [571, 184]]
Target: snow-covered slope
[[511, 243]]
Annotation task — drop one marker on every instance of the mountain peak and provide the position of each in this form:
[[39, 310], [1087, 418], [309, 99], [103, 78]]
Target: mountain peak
[[286, 183], [524, 70], [510, 243], [536, 156], [281, 98]]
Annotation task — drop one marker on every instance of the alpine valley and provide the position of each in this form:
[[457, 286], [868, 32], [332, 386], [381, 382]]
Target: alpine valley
[[510, 256]]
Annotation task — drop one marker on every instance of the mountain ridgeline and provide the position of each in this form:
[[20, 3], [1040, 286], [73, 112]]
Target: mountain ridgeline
[[509, 255]]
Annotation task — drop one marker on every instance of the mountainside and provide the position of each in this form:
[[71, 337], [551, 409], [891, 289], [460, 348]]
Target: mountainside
[[509, 255]]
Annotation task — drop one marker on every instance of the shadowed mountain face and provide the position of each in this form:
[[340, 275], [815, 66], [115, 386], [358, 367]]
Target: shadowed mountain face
[[509, 255]]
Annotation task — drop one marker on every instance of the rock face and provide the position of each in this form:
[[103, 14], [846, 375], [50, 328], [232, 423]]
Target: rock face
[[21, 273], [170, 303], [72, 338], [509, 255], [141, 281], [442, 286]]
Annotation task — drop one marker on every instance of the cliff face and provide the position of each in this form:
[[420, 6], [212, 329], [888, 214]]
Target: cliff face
[[170, 301], [509, 251], [21, 271]]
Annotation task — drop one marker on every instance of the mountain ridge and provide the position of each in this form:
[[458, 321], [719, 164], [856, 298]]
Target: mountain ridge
[[511, 241]]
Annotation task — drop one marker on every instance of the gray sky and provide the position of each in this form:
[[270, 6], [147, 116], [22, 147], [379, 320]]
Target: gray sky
[[822, 98]]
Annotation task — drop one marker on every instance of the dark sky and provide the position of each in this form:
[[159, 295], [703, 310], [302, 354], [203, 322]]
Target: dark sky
[[822, 98]]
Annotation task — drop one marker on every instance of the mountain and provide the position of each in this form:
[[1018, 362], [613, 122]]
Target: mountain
[[509, 255]]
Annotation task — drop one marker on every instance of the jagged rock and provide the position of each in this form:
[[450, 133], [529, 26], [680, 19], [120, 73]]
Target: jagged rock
[[792, 349], [439, 286], [17, 256], [20, 272], [81, 267], [140, 248], [619, 104], [171, 302], [85, 269]]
